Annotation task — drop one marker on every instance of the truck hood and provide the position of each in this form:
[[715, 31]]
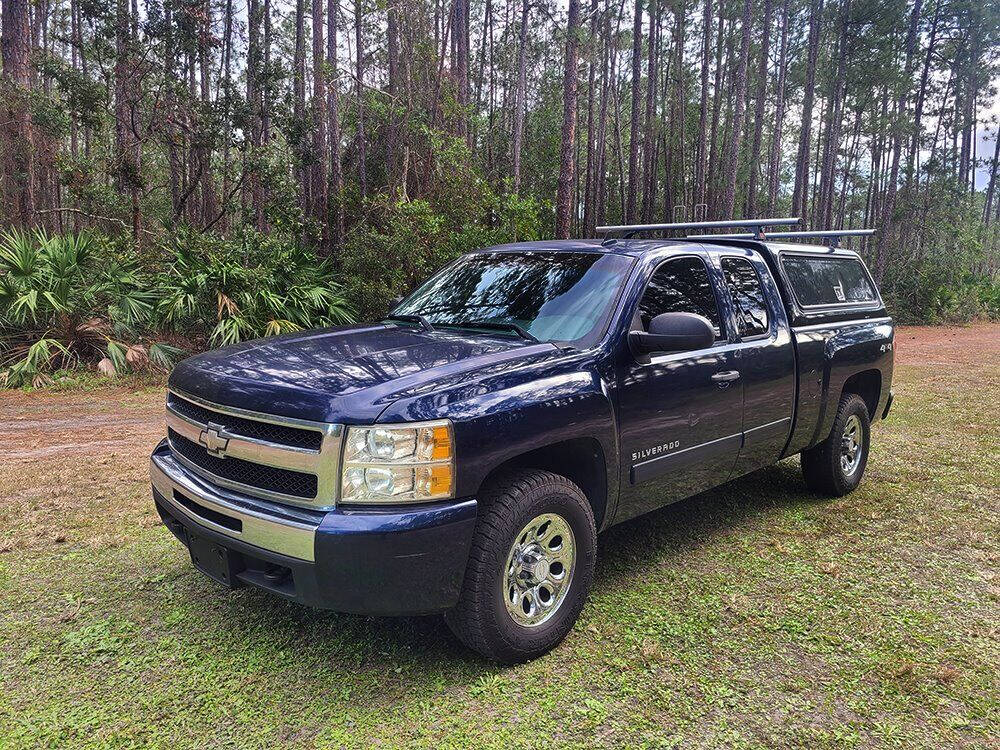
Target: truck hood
[[345, 375]]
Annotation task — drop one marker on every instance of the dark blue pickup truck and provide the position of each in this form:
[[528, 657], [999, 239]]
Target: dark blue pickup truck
[[461, 455]]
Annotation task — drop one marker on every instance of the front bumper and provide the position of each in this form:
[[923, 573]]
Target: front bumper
[[393, 561]]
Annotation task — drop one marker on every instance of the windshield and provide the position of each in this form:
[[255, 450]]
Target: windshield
[[554, 296]]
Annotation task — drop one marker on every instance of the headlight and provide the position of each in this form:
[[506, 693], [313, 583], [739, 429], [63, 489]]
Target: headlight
[[406, 463]]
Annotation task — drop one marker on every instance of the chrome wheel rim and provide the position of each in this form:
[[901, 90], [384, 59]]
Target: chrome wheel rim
[[539, 570], [850, 446]]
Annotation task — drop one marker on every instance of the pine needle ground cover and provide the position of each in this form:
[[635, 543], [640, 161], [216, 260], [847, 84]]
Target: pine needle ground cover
[[752, 616]]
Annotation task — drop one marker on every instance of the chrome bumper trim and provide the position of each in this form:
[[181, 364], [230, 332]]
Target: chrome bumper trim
[[283, 535]]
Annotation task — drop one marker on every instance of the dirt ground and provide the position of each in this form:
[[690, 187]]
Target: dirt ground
[[752, 616]]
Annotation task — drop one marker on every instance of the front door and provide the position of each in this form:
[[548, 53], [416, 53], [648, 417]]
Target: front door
[[680, 414]]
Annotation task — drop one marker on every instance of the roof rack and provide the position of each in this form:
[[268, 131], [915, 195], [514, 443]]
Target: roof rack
[[757, 224], [833, 234]]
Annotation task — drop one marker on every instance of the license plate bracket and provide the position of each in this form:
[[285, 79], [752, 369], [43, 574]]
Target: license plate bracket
[[214, 560]]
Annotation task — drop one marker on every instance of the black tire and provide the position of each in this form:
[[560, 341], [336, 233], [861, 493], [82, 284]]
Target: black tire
[[481, 619], [821, 465]]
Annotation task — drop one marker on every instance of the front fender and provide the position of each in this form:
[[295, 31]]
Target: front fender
[[496, 422]]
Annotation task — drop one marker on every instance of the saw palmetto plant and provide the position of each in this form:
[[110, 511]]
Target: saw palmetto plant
[[65, 302]]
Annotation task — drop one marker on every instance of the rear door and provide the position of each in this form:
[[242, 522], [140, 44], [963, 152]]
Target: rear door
[[680, 414], [766, 359]]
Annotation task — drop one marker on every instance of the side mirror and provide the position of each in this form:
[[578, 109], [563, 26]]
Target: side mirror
[[673, 332]]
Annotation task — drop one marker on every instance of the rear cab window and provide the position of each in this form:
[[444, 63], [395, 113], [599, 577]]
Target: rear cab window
[[821, 281], [748, 297]]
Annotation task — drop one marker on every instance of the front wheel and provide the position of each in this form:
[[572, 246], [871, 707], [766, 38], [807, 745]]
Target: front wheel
[[530, 568], [835, 466]]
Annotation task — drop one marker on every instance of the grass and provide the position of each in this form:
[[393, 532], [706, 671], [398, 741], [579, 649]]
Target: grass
[[752, 616]]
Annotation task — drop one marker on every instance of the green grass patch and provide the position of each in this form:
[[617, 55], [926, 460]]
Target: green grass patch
[[753, 616]]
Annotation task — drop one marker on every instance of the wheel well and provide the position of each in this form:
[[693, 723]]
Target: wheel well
[[580, 460], [868, 385]]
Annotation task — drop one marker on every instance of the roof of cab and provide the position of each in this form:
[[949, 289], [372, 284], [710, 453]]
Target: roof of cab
[[638, 248], [630, 247]]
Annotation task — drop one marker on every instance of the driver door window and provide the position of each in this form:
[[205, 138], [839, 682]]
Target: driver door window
[[680, 285]]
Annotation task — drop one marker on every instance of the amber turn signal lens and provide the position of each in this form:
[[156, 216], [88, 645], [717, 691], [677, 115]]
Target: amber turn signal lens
[[440, 481], [442, 443]]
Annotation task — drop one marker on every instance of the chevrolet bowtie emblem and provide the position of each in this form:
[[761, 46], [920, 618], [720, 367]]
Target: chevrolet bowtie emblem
[[213, 440]]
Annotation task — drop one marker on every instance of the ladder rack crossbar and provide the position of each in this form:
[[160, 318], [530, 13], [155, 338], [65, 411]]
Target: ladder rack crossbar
[[757, 224]]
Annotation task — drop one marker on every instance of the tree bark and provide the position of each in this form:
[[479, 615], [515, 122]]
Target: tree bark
[[319, 146], [333, 113], [265, 130], [460, 62], [718, 83], [255, 103], [564, 196], [209, 199], [649, 136], [589, 191], [732, 151], [299, 107], [918, 108], [359, 43], [774, 159], [823, 214], [889, 207], [633, 143], [392, 161], [169, 128], [760, 113], [127, 176], [17, 138], [700, 164], [519, 100], [800, 193]]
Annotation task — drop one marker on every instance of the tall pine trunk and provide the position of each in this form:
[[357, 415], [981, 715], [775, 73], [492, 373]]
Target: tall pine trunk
[[319, 150], [17, 145], [519, 100], [649, 136], [333, 115], [823, 213], [800, 192], [774, 158], [700, 164], [564, 195], [889, 206], [732, 151], [255, 103], [589, 185], [760, 108], [299, 106], [359, 49], [633, 143]]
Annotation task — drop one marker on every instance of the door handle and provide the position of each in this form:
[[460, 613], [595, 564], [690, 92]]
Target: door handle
[[726, 377]]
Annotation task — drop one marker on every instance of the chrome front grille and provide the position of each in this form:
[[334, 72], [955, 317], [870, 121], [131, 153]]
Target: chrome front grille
[[262, 455], [268, 432]]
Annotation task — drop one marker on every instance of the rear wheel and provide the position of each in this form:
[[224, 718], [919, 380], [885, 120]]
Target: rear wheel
[[530, 568], [836, 466]]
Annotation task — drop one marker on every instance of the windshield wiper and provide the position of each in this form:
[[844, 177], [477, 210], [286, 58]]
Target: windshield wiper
[[418, 319], [494, 325]]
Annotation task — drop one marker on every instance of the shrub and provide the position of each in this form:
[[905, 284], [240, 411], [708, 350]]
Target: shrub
[[69, 299], [222, 291]]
